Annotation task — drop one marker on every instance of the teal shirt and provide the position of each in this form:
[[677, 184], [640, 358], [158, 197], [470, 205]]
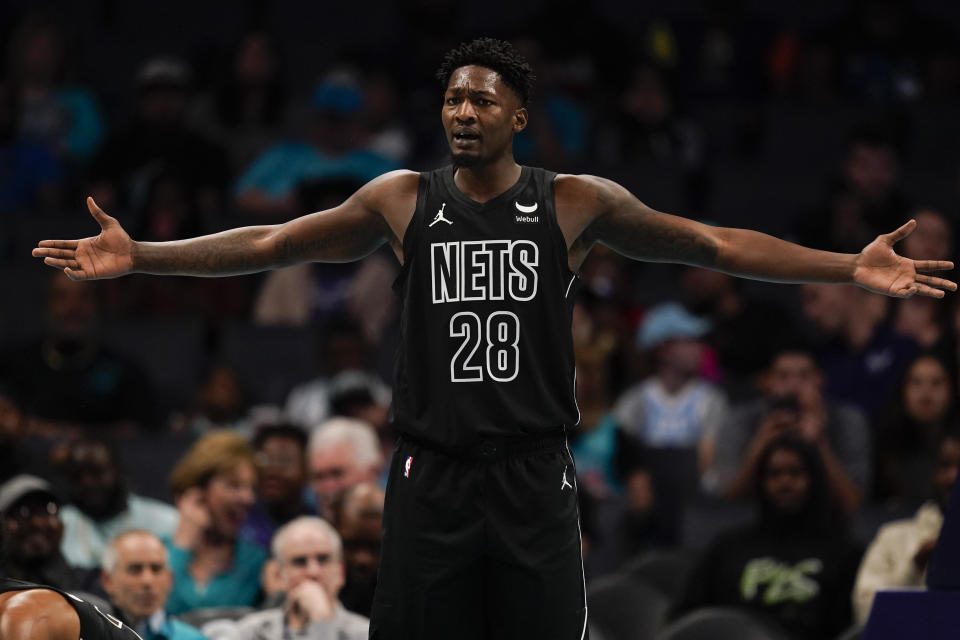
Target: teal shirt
[[236, 587], [169, 629]]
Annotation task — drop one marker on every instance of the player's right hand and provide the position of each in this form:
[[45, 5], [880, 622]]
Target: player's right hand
[[107, 255]]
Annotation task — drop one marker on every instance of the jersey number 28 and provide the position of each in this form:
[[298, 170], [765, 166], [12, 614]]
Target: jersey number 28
[[500, 359]]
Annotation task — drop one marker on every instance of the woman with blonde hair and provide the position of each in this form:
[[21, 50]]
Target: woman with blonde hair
[[213, 485]]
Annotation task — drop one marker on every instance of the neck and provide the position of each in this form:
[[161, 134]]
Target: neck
[[485, 182], [286, 510], [673, 380]]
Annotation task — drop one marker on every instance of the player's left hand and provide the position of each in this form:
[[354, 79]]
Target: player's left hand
[[881, 270]]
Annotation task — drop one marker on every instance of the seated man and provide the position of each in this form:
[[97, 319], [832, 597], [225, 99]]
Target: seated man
[[343, 452], [137, 577], [30, 536], [101, 506], [31, 611], [793, 402], [309, 556], [793, 565], [901, 551]]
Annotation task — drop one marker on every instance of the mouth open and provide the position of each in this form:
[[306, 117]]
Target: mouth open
[[465, 137]]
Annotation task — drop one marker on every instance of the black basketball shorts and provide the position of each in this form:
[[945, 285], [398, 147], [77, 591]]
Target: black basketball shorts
[[481, 543]]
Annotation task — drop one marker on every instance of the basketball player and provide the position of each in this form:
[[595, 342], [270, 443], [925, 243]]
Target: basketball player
[[35, 612], [481, 535]]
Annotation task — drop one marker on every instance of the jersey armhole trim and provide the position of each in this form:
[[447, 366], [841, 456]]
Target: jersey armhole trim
[[411, 235]]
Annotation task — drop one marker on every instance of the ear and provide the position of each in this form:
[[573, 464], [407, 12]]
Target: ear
[[519, 120]]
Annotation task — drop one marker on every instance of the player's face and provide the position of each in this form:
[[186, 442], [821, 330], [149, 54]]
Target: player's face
[[141, 581], [480, 115], [308, 554], [282, 470], [786, 482], [229, 497]]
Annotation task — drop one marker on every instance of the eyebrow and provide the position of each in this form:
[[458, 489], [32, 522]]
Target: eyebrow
[[475, 92]]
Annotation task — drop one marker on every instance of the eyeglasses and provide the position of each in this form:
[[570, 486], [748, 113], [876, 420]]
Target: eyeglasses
[[28, 510], [300, 562]]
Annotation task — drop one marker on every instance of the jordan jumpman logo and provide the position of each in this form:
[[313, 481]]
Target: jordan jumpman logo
[[440, 217], [565, 483]]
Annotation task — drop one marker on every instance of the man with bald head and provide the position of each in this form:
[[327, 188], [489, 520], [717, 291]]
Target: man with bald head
[[137, 576], [309, 556]]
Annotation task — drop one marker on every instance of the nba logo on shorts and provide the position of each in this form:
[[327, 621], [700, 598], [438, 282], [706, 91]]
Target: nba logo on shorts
[[406, 466]]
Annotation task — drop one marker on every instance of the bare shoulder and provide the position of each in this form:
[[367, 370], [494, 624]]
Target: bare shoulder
[[587, 194], [390, 190], [24, 613]]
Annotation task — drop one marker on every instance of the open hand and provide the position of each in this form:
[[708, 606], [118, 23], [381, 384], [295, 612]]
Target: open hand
[[881, 270], [107, 255]]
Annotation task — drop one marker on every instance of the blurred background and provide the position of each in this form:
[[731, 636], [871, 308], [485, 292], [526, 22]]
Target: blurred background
[[826, 123]]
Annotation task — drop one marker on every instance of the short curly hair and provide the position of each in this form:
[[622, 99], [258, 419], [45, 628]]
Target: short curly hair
[[497, 55]]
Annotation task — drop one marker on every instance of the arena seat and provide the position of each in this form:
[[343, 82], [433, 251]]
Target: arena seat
[[665, 569], [623, 608], [721, 623], [270, 360]]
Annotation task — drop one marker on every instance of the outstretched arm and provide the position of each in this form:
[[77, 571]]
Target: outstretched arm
[[347, 232], [626, 225]]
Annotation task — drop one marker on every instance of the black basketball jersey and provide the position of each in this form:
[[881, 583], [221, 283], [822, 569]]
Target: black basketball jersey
[[94, 624], [486, 309]]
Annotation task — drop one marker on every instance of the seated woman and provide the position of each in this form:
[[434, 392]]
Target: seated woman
[[213, 485], [793, 566]]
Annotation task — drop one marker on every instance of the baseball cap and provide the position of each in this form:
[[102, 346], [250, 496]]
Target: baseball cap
[[669, 321], [163, 71], [338, 92], [19, 487]]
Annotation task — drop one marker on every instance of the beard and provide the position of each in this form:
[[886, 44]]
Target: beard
[[466, 161]]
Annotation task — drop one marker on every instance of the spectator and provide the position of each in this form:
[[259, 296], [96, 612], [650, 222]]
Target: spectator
[[281, 451], [861, 356], [792, 564], [221, 402], [342, 346], [159, 142], [32, 174], [15, 458], [336, 148], [648, 125], [343, 452], [68, 377], [30, 536], [249, 108], [866, 200], [926, 408], [674, 407], [793, 402], [360, 525], [137, 577], [932, 239], [100, 503], [62, 117], [745, 330], [213, 484], [309, 555], [900, 553], [319, 293]]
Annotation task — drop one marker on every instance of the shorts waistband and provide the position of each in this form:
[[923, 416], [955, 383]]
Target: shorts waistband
[[496, 448]]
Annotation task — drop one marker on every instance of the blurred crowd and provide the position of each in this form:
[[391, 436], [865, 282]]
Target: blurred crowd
[[214, 452]]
